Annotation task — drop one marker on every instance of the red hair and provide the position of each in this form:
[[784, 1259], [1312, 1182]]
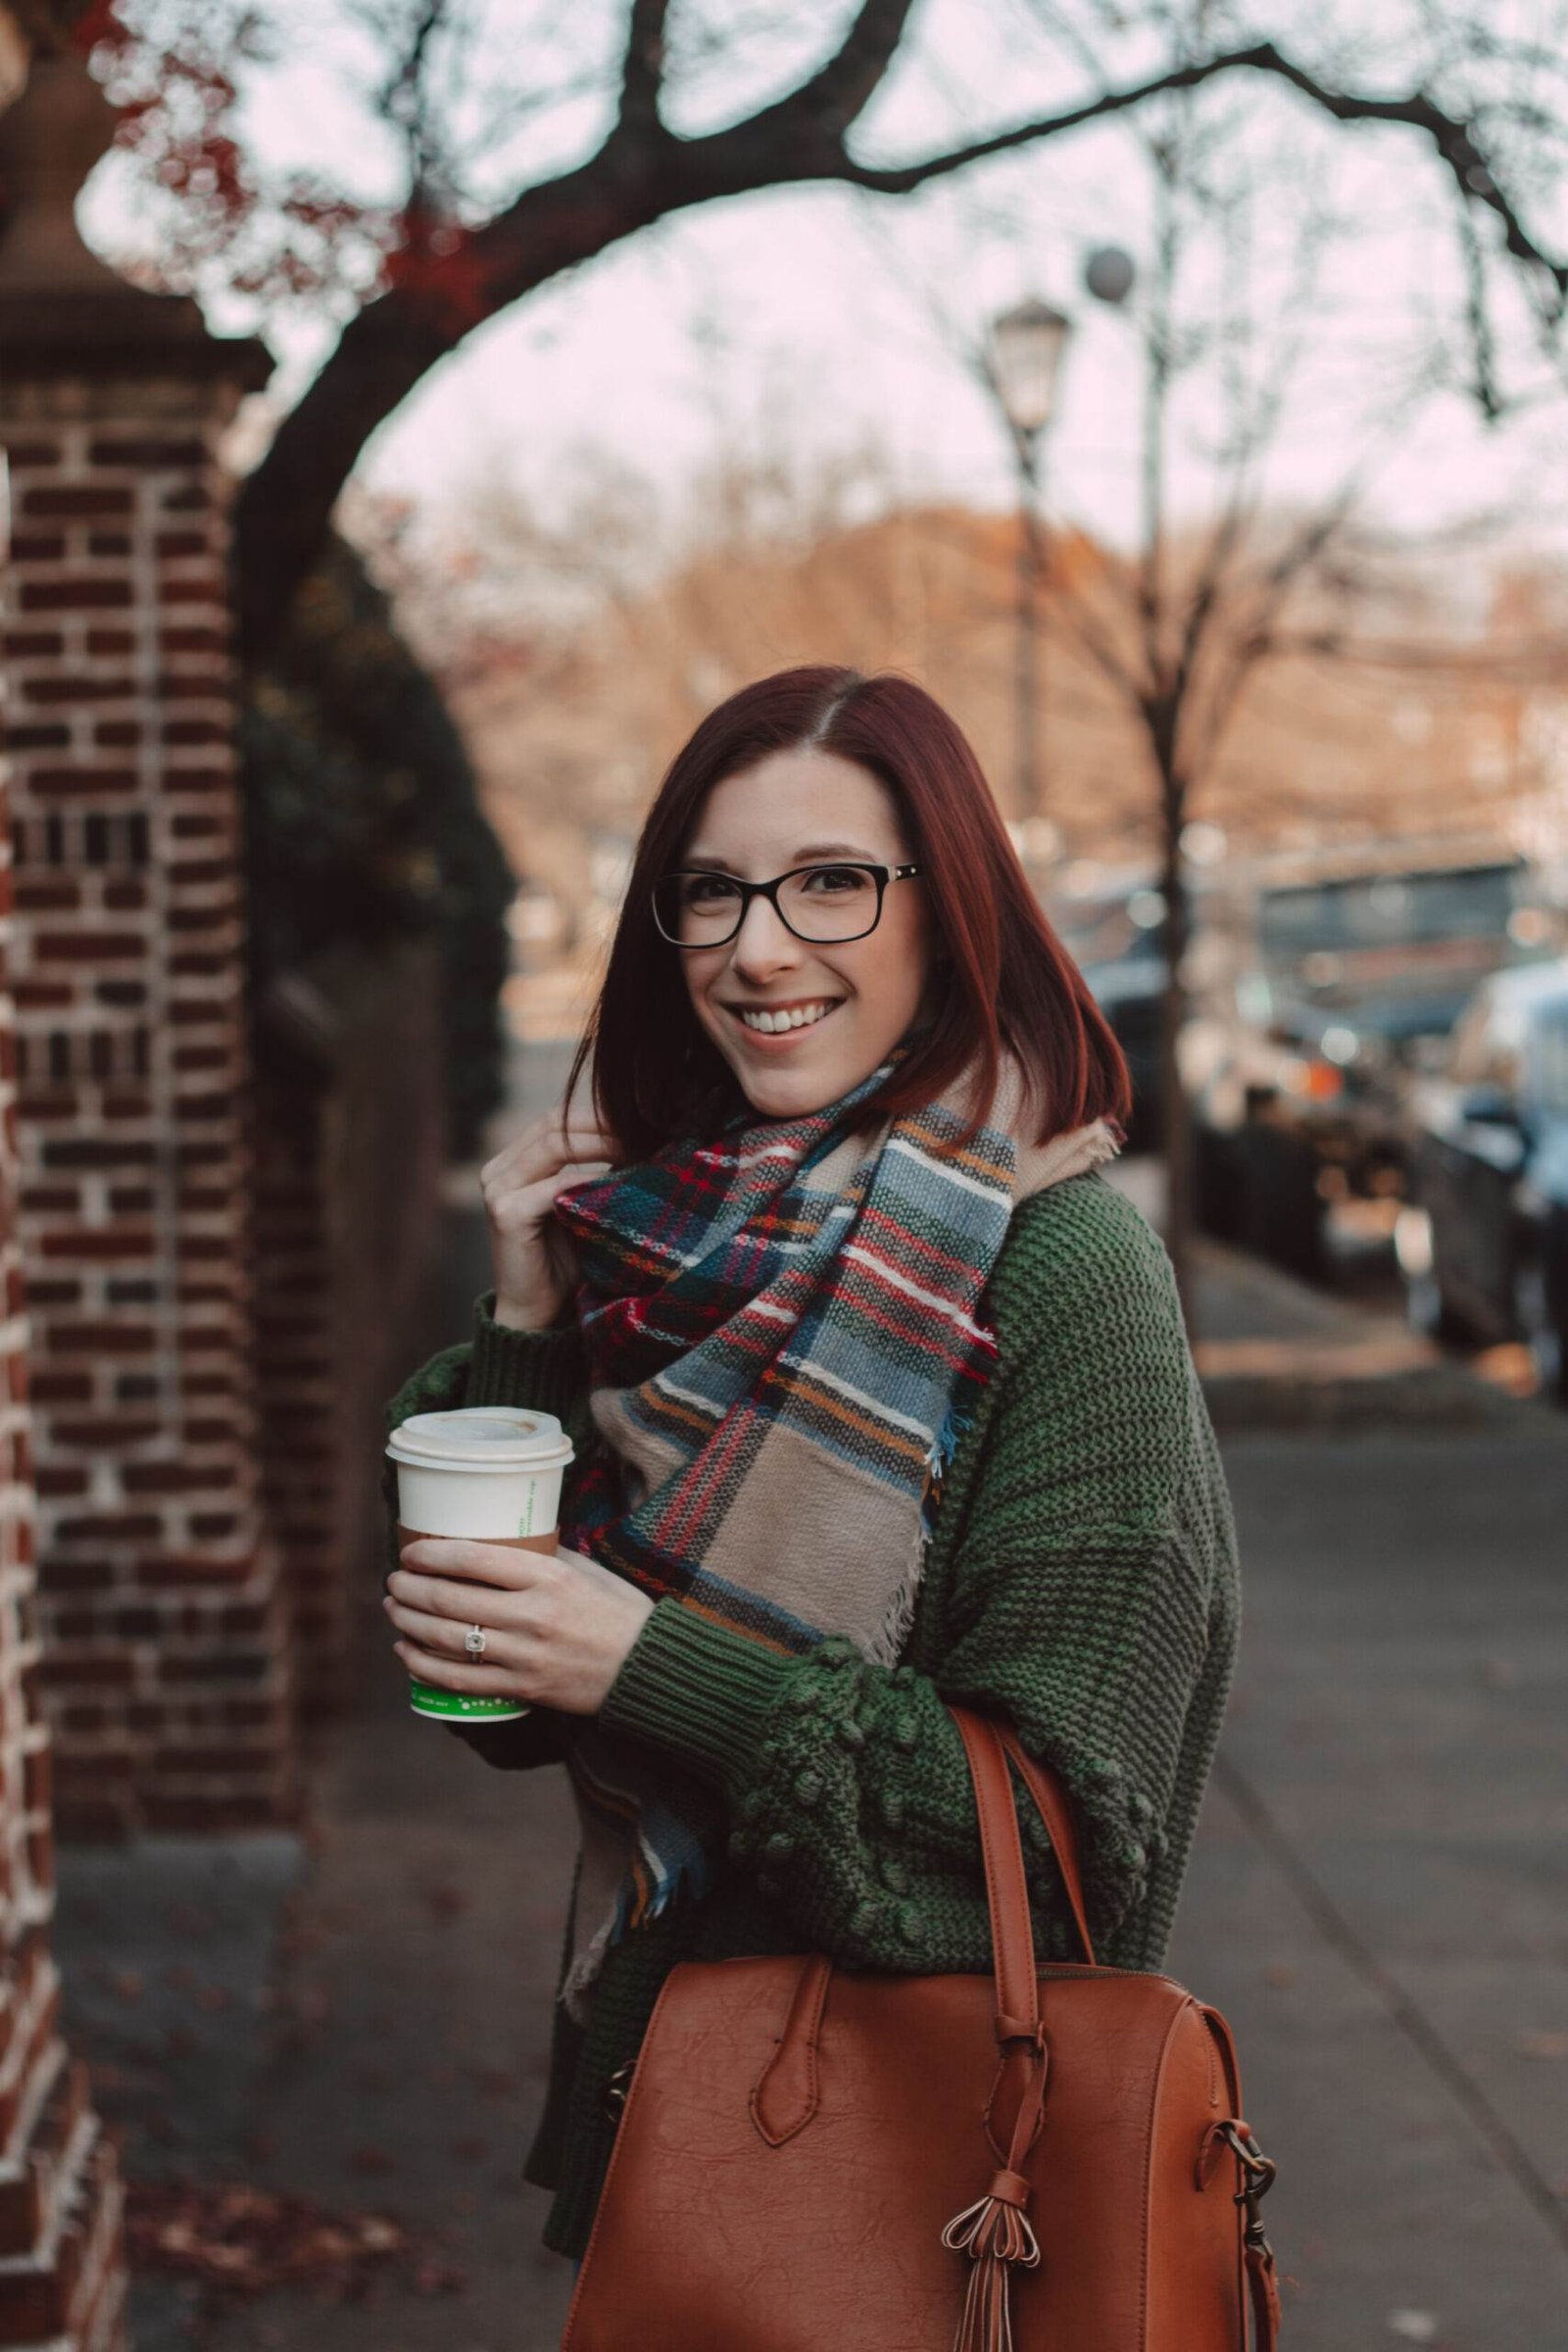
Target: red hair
[[656, 1074]]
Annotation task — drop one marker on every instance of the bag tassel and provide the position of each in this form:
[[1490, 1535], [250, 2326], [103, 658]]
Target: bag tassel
[[994, 2234]]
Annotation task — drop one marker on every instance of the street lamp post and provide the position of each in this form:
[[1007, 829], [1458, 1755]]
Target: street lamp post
[[1021, 365]]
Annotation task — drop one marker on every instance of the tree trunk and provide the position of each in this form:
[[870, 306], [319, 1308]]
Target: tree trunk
[[1175, 1111]]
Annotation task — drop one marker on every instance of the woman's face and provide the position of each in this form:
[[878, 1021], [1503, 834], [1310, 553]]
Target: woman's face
[[806, 808]]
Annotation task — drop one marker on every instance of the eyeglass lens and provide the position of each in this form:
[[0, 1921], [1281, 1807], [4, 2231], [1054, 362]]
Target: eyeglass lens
[[820, 902]]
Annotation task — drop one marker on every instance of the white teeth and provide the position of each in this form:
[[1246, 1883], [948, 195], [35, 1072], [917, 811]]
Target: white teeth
[[800, 1016]]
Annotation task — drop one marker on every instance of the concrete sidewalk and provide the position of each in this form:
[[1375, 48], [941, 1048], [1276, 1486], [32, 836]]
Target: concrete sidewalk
[[1375, 1901], [1377, 1898]]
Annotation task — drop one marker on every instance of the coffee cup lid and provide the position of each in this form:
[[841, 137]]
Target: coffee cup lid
[[483, 1437]]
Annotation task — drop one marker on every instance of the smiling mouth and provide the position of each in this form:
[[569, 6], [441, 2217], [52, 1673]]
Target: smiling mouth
[[770, 1021]]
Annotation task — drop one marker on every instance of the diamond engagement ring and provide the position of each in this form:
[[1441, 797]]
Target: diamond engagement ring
[[473, 1640]]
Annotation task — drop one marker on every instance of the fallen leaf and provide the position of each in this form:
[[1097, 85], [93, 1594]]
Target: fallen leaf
[[235, 2239], [438, 2278], [445, 1903]]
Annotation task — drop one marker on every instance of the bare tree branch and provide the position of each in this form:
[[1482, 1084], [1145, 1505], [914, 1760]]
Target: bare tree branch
[[1096, 640], [642, 74], [1451, 138], [837, 93], [1483, 348], [1454, 144], [402, 102], [1157, 356], [1252, 639], [901, 179], [1239, 508], [642, 174]]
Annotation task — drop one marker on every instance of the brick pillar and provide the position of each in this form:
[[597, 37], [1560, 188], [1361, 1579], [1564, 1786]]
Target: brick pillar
[[165, 1649], [62, 2270]]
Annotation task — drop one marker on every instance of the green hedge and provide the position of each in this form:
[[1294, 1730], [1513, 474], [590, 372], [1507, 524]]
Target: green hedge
[[363, 822]]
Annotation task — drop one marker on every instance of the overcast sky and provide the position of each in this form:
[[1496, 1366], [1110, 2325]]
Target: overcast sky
[[828, 318]]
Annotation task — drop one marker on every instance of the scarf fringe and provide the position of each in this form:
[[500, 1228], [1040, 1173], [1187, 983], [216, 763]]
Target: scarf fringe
[[956, 1427], [692, 1873], [576, 1987]]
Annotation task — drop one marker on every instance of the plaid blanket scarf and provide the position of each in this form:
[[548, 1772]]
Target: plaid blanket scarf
[[784, 1344]]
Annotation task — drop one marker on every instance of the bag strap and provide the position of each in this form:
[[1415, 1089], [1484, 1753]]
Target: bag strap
[[996, 2231], [1012, 1943], [785, 2097], [1055, 1812], [990, 1746]]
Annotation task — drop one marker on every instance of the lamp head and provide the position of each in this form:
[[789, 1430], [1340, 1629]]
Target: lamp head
[[1027, 343]]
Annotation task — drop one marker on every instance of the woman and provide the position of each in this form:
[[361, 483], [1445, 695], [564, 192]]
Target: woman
[[882, 1400]]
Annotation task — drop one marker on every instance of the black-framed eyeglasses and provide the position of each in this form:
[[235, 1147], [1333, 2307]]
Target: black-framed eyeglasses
[[823, 904]]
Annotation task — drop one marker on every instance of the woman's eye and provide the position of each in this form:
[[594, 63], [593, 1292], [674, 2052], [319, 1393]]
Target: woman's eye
[[831, 881], [707, 890]]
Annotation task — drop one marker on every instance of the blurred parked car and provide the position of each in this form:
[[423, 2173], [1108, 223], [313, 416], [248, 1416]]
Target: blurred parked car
[[1483, 1241], [1330, 978], [1113, 925]]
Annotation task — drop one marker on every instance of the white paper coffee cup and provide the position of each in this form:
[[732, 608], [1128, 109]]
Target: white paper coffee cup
[[492, 1471], [489, 1472]]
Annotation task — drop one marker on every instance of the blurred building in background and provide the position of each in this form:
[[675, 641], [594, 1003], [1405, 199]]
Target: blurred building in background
[[1415, 721]]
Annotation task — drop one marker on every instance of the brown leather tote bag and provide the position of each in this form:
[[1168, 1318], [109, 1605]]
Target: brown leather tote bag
[[1045, 2160]]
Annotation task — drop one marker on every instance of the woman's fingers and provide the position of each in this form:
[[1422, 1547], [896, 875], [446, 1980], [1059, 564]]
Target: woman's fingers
[[513, 1210], [544, 1149], [549, 1141], [444, 1636], [502, 1565], [449, 1604], [534, 1264], [468, 1675]]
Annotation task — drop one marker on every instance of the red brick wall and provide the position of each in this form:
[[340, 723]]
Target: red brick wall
[[61, 2274], [164, 1615]]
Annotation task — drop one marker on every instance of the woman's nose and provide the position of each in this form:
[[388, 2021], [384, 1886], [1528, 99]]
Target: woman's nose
[[764, 943]]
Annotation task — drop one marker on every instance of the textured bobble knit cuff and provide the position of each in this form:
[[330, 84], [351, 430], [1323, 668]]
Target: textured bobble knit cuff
[[540, 1369], [699, 1689]]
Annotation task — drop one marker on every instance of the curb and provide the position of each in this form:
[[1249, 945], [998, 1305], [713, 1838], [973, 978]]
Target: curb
[[1337, 1369], [1435, 1396]]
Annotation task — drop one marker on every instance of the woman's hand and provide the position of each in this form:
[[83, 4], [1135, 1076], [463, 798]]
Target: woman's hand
[[535, 1264], [559, 1625]]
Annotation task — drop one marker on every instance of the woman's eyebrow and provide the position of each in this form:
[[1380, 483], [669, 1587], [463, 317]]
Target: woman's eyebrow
[[803, 856]]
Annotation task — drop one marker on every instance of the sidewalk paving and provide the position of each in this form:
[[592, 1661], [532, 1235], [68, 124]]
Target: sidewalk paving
[[1375, 1901], [1377, 1895]]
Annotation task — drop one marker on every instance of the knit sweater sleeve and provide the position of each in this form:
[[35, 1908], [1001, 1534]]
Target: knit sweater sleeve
[[1078, 1608], [544, 1371]]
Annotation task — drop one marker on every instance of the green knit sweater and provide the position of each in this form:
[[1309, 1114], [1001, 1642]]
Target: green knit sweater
[[1081, 1581]]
